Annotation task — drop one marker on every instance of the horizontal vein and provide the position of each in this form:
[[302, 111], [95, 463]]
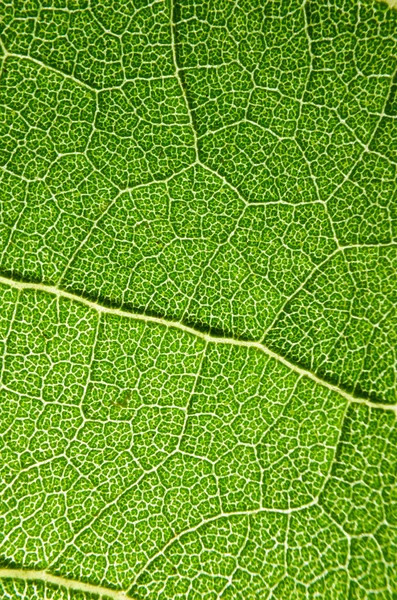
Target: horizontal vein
[[70, 584], [40, 287]]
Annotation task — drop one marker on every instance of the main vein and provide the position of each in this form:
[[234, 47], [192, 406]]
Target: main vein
[[213, 339], [70, 584]]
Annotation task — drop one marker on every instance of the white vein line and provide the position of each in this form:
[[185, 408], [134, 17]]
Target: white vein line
[[222, 515], [232, 187], [314, 271], [70, 584], [40, 287], [95, 222], [33, 575], [41, 64], [179, 79], [192, 393]]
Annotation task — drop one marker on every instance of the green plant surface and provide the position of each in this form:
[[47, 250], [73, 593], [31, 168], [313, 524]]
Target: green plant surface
[[198, 292]]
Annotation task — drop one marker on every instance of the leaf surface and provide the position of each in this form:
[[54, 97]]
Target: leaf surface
[[198, 268]]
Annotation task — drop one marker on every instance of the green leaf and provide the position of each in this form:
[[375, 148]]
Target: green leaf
[[198, 322]]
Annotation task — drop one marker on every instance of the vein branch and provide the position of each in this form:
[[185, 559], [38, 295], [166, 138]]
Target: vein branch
[[179, 77]]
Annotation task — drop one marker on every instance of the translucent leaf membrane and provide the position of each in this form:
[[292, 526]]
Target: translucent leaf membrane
[[141, 456], [198, 269]]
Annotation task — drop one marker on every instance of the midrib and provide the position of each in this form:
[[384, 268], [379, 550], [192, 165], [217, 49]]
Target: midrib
[[70, 584], [23, 285]]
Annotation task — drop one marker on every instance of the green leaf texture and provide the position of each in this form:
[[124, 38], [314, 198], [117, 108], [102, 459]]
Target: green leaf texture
[[198, 282]]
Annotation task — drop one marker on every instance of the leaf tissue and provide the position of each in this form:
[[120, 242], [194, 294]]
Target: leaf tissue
[[198, 283]]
